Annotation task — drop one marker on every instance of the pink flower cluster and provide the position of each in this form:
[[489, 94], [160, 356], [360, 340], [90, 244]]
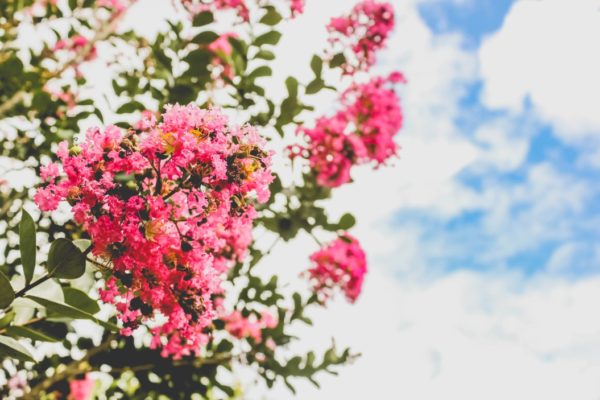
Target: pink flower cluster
[[82, 389], [168, 208], [75, 43], [248, 327], [297, 7], [362, 131], [239, 6], [364, 31], [222, 63], [341, 264]]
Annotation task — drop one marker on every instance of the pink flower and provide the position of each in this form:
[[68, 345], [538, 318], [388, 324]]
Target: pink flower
[[364, 31], [147, 121], [117, 5], [81, 389], [248, 327], [341, 264], [297, 7], [222, 45], [171, 205], [49, 172], [362, 131]]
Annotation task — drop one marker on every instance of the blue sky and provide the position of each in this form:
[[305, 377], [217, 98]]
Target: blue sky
[[469, 244]]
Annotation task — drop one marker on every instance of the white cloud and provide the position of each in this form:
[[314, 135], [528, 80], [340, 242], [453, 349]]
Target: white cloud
[[546, 52], [466, 335]]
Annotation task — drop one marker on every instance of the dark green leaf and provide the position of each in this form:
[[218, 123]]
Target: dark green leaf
[[130, 107], [271, 38], [205, 37], [182, 94], [23, 331], [204, 18], [265, 55], [7, 294], [316, 64], [346, 222], [272, 17], [337, 60], [292, 86], [65, 260], [80, 300], [260, 71], [65, 310], [11, 348], [27, 245], [315, 86]]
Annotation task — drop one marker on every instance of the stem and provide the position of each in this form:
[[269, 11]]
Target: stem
[[30, 322], [316, 239], [31, 285]]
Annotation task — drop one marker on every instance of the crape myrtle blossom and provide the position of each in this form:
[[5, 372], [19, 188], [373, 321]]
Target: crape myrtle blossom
[[75, 44], [362, 131], [364, 31], [241, 7], [168, 208], [251, 326], [222, 62], [82, 389], [339, 265]]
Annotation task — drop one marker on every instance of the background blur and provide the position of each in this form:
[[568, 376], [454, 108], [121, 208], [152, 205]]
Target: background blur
[[484, 237]]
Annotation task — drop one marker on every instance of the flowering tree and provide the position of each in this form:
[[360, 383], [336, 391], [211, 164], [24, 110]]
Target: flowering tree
[[144, 227]]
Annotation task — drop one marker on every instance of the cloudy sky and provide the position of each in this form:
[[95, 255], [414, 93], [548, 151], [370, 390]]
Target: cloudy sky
[[483, 238]]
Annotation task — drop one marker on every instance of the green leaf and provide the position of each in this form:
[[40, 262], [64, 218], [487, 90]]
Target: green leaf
[[315, 86], [272, 17], [204, 18], [271, 38], [7, 319], [261, 71], [80, 300], [11, 348], [198, 59], [265, 55], [68, 311], [23, 331], [130, 107], [206, 37], [316, 64], [65, 260], [292, 86], [182, 94], [7, 294], [346, 222], [27, 245], [337, 60]]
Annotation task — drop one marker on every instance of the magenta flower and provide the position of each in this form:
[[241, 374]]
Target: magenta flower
[[342, 264], [169, 208]]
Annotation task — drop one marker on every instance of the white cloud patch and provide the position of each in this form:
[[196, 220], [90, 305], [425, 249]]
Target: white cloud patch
[[547, 53]]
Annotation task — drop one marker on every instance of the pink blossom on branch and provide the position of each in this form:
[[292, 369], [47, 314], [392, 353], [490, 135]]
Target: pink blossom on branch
[[341, 265], [364, 31], [248, 327], [241, 7], [81, 389], [362, 131], [169, 208]]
